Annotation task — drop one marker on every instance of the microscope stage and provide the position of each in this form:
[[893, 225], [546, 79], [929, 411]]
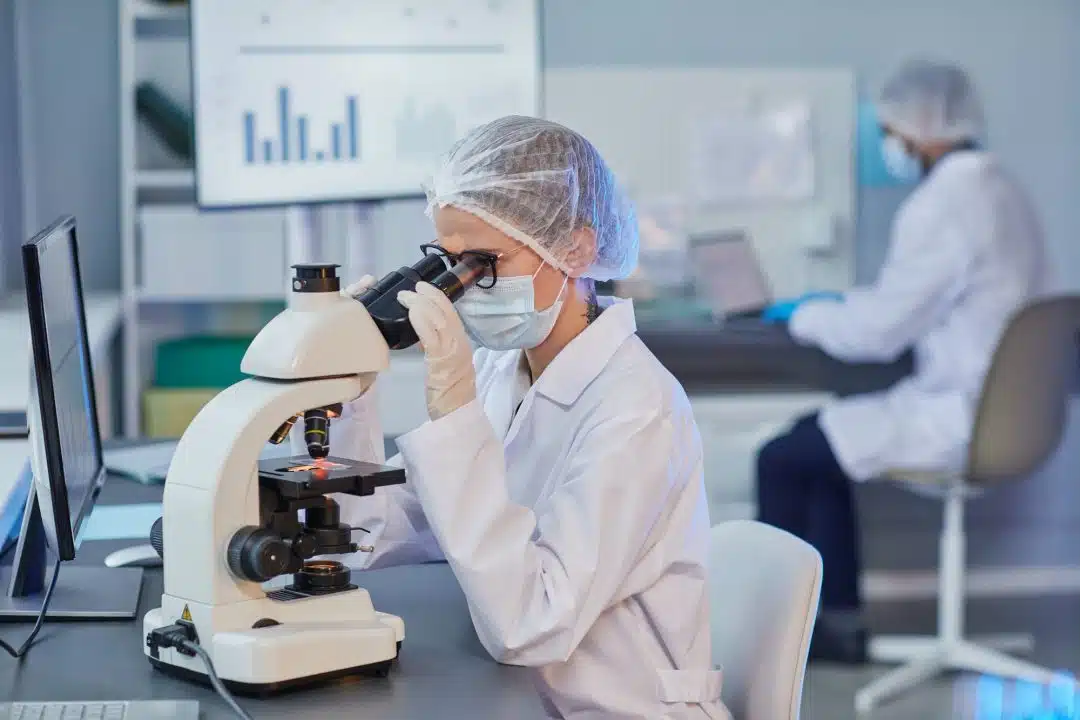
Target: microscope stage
[[301, 477]]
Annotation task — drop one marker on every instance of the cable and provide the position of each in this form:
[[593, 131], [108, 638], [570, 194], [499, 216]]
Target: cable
[[361, 529], [214, 679], [25, 647]]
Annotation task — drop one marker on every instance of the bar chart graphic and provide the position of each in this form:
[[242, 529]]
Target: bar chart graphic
[[292, 139]]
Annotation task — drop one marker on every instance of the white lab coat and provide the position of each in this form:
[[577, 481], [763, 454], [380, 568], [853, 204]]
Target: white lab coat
[[577, 528], [966, 252]]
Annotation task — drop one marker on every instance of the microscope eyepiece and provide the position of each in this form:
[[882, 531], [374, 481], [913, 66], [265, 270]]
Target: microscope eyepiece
[[316, 278], [468, 270], [451, 274], [429, 268]]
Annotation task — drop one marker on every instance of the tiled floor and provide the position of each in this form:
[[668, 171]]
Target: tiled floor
[[1054, 622]]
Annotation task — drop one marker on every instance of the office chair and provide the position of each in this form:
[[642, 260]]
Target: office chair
[[1018, 423], [764, 586]]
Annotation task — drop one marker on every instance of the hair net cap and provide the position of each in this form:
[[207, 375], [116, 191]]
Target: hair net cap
[[538, 182], [929, 101]]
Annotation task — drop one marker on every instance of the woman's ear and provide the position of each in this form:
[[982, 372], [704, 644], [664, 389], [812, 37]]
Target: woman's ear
[[584, 254]]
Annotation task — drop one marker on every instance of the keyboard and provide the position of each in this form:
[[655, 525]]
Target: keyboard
[[120, 710]]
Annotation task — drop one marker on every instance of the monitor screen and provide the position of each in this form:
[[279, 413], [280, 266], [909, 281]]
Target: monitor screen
[[69, 437], [306, 102]]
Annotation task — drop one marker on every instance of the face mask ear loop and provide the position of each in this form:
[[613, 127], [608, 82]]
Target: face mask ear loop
[[565, 279]]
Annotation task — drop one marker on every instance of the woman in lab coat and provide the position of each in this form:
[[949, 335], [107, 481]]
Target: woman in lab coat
[[561, 472], [966, 252]]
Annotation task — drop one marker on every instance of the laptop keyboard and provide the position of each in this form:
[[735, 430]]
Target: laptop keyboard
[[66, 711]]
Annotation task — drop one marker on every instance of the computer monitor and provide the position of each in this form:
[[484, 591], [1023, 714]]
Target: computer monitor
[[65, 445]]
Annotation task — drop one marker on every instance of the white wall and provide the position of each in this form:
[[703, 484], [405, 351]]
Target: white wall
[[11, 225], [71, 69]]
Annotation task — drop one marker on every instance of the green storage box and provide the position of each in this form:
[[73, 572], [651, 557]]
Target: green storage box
[[199, 362]]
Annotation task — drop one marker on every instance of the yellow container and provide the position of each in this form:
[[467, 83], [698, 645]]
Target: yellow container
[[168, 411]]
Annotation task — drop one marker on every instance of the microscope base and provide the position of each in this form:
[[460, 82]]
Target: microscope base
[[243, 689], [349, 638]]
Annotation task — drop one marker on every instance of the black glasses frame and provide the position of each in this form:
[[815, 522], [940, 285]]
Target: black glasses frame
[[490, 259]]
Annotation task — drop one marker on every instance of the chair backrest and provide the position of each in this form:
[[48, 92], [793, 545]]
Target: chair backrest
[[1024, 401], [764, 586]]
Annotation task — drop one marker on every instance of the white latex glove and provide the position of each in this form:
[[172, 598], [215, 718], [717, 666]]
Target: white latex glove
[[451, 378], [358, 287]]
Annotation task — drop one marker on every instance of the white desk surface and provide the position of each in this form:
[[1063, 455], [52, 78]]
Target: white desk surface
[[102, 323]]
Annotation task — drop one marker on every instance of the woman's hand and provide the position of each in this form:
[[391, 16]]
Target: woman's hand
[[451, 378], [358, 287]]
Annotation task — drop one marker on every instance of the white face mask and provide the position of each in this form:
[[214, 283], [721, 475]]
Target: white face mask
[[505, 317], [901, 164]]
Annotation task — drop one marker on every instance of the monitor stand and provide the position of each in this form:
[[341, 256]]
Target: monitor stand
[[82, 592]]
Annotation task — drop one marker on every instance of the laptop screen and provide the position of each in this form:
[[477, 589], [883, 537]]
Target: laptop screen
[[727, 273]]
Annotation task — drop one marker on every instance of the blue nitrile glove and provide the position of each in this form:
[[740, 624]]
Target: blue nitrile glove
[[782, 310]]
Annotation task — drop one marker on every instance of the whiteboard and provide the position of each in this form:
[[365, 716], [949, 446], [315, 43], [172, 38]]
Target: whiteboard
[[304, 101], [648, 125]]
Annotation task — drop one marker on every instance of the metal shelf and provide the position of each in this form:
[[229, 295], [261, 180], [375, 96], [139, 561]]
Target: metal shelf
[[165, 179], [148, 10]]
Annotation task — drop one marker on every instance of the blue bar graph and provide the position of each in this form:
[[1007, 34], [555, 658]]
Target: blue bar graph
[[294, 139], [249, 137], [283, 118], [353, 130]]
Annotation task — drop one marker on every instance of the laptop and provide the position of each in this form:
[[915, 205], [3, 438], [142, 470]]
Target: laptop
[[728, 275]]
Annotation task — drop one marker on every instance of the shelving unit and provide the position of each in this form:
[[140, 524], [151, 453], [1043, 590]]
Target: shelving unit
[[220, 270], [154, 313]]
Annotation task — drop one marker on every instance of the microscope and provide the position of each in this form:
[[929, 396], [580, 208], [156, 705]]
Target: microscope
[[242, 574]]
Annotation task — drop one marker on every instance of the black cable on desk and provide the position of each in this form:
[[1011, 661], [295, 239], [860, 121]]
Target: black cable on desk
[[25, 647], [214, 679]]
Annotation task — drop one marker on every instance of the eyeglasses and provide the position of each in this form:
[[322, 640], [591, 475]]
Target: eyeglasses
[[487, 258]]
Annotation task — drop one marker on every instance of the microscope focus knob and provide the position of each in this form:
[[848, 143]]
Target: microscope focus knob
[[304, 546], [257, 554], [157, 538]]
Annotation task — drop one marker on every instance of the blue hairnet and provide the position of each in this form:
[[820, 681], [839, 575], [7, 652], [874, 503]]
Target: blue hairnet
[[929, 101], [538, 181]]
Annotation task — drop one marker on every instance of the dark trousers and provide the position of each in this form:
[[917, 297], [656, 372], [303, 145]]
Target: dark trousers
[[802, 489]]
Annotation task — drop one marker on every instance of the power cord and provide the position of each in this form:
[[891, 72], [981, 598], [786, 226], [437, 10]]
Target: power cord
[[215, 680], [25, 647], [182, 636]]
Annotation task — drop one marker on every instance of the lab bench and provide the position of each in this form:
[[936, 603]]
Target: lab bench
[[443, 671], [749, 356]]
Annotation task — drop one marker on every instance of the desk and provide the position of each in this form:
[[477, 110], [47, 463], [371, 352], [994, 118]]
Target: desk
[[102, 321], [443, 671], [752, 356]]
